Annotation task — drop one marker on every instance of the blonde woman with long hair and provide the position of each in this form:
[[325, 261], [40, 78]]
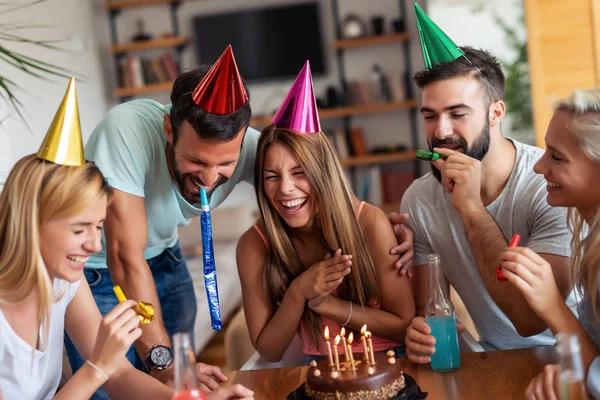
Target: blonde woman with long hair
[[571, 166], [317, 257]]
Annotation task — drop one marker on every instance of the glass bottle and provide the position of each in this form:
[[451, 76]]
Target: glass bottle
[[186, 383], [440, 317], [572, 376]]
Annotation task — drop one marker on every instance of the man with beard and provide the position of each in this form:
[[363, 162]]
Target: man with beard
[[481, 192], [156, 157]]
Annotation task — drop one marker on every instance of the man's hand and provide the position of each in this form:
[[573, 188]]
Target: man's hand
[[405, 247], [420, 345], [461, 176], [209, 376], [166, 376]]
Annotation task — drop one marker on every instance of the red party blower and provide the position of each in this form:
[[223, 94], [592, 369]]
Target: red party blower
[[513, 243]]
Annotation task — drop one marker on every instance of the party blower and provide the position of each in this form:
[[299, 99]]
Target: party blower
[[513, 243], [145, 311], [210, 271]]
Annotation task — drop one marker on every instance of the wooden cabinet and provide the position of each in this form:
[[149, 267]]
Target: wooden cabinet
[[564, 52]]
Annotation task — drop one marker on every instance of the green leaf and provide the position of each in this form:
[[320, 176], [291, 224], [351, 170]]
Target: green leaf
[[14, 32]]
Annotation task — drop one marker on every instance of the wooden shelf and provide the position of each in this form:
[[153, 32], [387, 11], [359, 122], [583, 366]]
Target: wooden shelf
[[383, 158], [135, 91], [171, 41], [390, 207], [371, 41], [121, 4], [349, 111]]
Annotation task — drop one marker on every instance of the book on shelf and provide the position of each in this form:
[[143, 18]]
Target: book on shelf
[[135, 71], [340, 143], [357, 140], [394, 183]]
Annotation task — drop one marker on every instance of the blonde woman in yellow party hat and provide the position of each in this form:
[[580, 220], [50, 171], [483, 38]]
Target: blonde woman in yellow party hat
[[51, 213]]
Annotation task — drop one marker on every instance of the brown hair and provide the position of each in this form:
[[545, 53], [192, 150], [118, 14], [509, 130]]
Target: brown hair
[[335, 217]]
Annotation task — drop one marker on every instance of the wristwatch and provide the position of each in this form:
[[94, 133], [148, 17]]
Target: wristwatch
[[159, 358]]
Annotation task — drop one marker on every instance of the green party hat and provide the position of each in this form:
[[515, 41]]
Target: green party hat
[[437, 47]]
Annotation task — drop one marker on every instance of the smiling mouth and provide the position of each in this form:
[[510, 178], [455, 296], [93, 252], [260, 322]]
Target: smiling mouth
[[294, 205], [552, 185], [77, 259]]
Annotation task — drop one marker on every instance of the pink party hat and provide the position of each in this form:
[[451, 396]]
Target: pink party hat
[[298, 112]]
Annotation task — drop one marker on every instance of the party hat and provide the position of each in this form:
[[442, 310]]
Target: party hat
[[437, 47], [63, 144], [298, 112], [221, 91]]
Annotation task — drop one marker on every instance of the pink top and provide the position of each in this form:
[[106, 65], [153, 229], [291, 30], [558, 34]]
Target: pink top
[[379, 344]]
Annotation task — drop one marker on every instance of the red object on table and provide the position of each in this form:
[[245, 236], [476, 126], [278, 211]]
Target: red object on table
[[513, 243], [190, 395]]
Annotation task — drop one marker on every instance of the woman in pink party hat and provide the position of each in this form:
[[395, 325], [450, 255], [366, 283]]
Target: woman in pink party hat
[[318, 257]]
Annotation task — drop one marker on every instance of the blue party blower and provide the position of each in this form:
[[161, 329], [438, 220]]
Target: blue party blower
[[210, 271]]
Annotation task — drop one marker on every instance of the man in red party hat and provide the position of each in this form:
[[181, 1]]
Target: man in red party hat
[[157, 157], [480, 193]]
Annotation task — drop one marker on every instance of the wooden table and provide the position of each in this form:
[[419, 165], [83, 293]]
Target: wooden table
[[502, 375]]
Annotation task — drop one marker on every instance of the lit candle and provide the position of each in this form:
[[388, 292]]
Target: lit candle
[[343, 335], [370, 342], [336, 341], [350, 337], [364, 343], [328, 346]]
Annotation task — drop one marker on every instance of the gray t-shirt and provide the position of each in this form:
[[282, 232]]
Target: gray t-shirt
[[520, 208]]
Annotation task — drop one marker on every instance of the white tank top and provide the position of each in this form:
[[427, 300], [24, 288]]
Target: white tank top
[[28, 374]]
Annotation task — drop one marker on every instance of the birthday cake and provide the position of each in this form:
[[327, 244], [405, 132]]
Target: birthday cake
[[380, 381]]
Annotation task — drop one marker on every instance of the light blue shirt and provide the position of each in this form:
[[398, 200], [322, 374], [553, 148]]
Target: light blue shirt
[[128, 146]]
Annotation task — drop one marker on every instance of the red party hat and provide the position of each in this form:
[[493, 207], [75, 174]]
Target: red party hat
[[221, 91]]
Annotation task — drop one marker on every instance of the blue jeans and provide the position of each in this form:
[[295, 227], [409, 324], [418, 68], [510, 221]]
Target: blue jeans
[[175, 292]]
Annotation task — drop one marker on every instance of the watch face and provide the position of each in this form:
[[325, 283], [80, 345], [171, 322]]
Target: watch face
[[161, 356]]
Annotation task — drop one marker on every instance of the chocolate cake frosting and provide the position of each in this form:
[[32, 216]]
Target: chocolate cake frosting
[[384, 383]]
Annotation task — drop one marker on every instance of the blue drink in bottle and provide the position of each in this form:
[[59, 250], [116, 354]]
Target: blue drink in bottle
[[440, 317]]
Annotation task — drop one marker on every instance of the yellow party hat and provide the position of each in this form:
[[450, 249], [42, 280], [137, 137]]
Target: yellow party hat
[[63, 143]]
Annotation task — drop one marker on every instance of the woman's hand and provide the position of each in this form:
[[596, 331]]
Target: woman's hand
[[533, 276], [325, 276], [234, 392], [118, 330], [545, 386]]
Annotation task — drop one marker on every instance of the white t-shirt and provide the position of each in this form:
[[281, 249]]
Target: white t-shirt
[[27, 374], [520, 208]]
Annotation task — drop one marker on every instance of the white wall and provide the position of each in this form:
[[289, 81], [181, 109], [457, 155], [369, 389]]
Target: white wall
[[71, 20], [478, 29]]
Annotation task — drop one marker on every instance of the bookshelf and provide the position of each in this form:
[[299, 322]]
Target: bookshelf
[[371, 41], [384, 166], [137, 91], [348, 111], [174, 41], [161, 72], [122, 4], [382, 158]]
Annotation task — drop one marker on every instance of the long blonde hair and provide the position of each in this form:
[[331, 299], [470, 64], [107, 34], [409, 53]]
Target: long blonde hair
[[335, 217], [35, 193], [584, 106]]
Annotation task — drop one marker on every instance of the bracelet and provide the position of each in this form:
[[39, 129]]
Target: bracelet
[[98, 369], [349, 314]]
